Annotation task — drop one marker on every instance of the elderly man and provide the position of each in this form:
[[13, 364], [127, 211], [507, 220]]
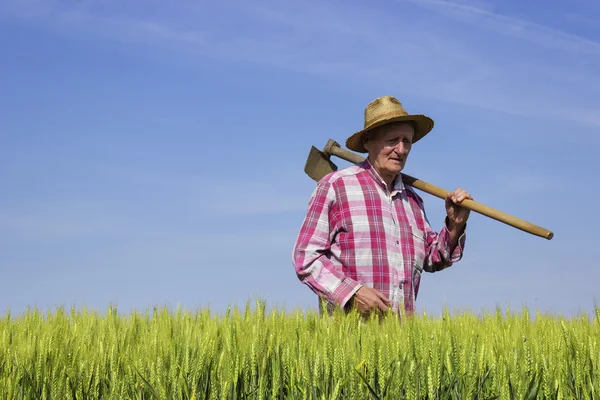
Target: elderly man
[[365, 239]]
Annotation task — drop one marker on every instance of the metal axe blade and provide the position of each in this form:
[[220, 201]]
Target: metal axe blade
[[318, 164]]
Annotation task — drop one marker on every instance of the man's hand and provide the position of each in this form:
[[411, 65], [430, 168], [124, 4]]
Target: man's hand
[[457, 216], [367, 300]]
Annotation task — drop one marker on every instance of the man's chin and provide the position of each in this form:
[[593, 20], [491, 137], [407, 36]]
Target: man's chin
[[398, 167], [395, 171]]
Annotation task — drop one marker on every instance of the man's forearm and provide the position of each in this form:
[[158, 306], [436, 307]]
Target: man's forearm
[[454, 232]]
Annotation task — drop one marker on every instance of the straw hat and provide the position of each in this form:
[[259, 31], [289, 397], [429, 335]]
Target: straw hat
[[384, 110]]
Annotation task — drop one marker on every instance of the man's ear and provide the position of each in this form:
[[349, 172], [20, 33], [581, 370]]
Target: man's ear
[[366, 141], [368, 137]]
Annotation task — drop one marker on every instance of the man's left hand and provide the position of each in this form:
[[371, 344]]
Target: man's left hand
[[457, 216]]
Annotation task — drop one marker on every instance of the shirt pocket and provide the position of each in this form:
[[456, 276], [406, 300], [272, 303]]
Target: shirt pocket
[[419, 246]]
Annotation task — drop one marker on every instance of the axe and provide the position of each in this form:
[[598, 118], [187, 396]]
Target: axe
[[318, 164]]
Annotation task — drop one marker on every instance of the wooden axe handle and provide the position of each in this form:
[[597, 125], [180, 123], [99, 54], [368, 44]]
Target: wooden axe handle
[[334, 148]]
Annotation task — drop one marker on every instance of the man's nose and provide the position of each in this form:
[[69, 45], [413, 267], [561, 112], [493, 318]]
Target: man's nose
[[400, 148]]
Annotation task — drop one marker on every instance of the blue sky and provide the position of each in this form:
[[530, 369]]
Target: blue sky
[[152, 153]]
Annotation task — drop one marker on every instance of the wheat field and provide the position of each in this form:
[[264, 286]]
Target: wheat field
[[253, 353]]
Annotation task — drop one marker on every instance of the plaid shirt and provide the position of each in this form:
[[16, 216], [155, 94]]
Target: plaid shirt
[[356, 234]]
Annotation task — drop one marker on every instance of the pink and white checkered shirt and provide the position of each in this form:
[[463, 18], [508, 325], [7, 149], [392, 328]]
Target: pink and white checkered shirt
[[356, 234]]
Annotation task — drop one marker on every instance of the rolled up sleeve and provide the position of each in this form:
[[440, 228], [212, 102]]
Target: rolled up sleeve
[[439, 255]]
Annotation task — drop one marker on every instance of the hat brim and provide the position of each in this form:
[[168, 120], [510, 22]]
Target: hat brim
[[423, 122]]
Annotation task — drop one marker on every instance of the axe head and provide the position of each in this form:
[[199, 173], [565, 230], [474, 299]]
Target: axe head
[[318, 164]]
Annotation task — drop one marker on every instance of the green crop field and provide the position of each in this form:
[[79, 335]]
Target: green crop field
[[253, 353]]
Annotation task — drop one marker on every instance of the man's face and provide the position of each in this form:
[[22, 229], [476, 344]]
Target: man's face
[[389, 149]]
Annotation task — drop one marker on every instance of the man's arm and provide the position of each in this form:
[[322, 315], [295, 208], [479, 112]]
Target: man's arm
[[456, 233], [444, 248], [311, 251]]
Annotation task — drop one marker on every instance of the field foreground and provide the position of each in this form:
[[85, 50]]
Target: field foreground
[[254, 354]]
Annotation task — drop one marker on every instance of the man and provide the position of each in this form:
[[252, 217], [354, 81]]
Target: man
[[365, 239]]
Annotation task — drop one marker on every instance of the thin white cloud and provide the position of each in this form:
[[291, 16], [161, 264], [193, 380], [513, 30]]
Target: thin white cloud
[[59, 221], [251, 198], [486, 19], [435, 59], [207, 195], [183, 199], [65, 224]]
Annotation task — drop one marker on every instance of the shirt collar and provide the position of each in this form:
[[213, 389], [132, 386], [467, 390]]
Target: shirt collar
[[398, 185]]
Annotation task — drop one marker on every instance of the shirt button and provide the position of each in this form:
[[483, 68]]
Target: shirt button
[[397, 242]]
